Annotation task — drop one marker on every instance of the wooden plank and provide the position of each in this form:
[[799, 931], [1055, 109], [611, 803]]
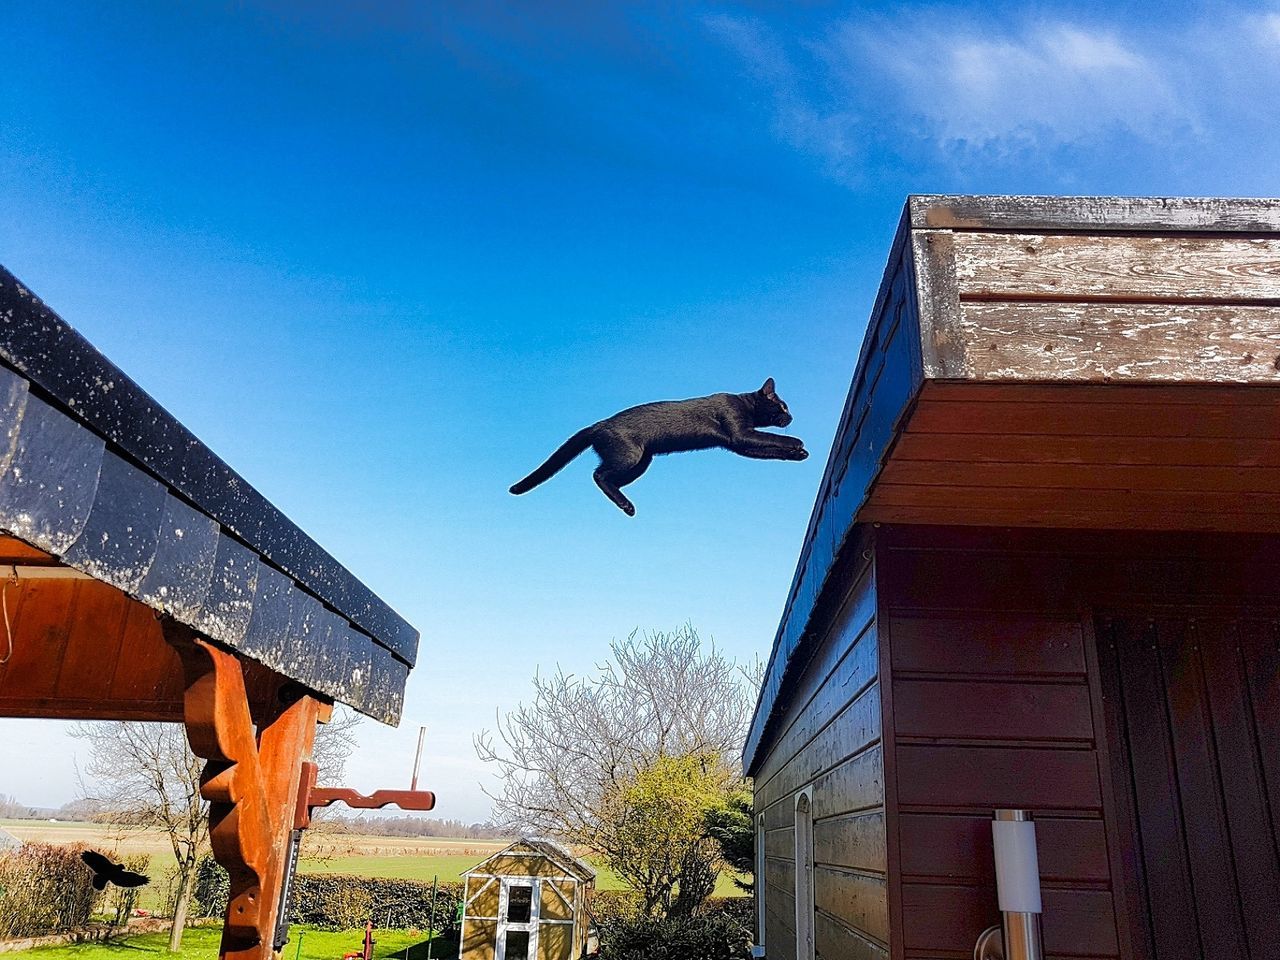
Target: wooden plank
[[96, 708], [856, 899], [1118, 343], [991, 777], [1046, 515], [1114, 214], [850, 679], [1079, 476], [1208, 841], [857, 784], [780, 842], [976, 710], [834, 939], [1114, 418], [1089, 394], [95, 637], [1164, 858], [1124, 844], [947, 917], [12, 549], [855, 727], [1007, 646], [957, 848], [38, 614], [856, 842], [1171, 501], [942, 340], [1215, 269], [1254, 851], [147, 667], [1173, 451], [1260, 651]]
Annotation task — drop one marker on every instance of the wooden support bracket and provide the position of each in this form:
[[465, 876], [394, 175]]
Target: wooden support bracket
[[251, 781], [310, 796]]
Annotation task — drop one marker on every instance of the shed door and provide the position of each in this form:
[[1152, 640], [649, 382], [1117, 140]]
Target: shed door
[[518, 909], [1193, 716]]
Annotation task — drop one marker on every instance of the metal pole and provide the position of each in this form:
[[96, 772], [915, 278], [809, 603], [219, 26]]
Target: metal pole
[[298, 953], [431, 924], [417, 758], [1018, 883]]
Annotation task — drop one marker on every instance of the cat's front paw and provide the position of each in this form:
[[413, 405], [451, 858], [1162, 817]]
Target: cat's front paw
[[800, 453]]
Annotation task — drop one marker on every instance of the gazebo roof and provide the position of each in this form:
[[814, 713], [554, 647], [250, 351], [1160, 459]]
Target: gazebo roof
[[98, 475]]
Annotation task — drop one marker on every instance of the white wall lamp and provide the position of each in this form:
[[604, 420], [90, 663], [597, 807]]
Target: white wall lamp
[[1018, 936]]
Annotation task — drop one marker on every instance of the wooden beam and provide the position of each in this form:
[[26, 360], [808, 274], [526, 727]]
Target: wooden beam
[[251, 782]]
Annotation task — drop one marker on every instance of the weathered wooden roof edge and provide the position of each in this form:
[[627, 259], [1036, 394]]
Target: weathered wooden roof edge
[[1113, 214], [69, 487]]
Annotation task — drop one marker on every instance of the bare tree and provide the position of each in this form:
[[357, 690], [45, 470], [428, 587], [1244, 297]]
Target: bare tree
[[566, 757], [146, 774]]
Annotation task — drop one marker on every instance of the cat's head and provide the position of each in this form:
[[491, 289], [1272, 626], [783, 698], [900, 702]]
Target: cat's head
[[771, 411]]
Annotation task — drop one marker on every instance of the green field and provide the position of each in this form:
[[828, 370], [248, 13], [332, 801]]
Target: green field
[[451, 868], [407, 858], [201, 943]]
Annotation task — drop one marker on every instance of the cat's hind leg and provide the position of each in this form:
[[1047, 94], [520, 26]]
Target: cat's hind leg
[[624, 464], [605, 481]]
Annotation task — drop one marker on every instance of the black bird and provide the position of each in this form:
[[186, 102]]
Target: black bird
[[104, 872]]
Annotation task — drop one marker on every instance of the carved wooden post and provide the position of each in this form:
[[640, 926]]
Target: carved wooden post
[[250, 780]]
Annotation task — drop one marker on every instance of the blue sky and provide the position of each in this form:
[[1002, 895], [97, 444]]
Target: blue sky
[[384, 260]]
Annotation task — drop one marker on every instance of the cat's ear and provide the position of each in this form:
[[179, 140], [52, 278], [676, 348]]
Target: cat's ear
[[768, 389]]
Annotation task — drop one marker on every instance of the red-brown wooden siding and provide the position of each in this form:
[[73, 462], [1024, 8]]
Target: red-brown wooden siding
[[996, 700], [829, 737]]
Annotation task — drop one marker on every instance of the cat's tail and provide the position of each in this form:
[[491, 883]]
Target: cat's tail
[[556, 462]]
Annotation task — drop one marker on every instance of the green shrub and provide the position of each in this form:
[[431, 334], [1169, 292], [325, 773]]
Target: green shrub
[[739, 909], [608, 905], [339, 901], [715, 937], [212, 888], [44, 888]]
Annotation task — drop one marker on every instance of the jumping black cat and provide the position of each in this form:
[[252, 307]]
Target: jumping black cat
[[628, 441]]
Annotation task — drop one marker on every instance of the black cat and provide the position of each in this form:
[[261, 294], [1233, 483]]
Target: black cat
[[628, 441]]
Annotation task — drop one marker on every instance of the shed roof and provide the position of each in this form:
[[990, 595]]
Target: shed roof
[[98, 474], [553, 851], [8, 841], [1135, 311]]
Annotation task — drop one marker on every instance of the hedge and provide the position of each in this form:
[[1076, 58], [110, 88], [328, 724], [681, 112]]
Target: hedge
[[44, 888], [340, 902]]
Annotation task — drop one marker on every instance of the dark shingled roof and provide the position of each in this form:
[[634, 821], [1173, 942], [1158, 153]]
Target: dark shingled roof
[[95, 472]]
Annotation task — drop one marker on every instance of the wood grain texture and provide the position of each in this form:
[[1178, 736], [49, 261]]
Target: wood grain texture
[[1111, 214], [1115, 343], [1028, 266]]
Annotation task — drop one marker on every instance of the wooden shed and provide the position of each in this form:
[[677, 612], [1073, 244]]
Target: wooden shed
[[1043, 572], [527, 902], [143, 579]]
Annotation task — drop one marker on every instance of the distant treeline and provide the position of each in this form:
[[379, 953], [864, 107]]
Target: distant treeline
[[409, 827], [329, 822]]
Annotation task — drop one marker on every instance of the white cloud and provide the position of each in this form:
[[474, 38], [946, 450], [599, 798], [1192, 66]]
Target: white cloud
[[971, 83], [1048, 83]]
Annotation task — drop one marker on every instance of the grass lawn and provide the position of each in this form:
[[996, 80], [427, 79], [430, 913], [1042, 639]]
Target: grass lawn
[[201, 943]]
